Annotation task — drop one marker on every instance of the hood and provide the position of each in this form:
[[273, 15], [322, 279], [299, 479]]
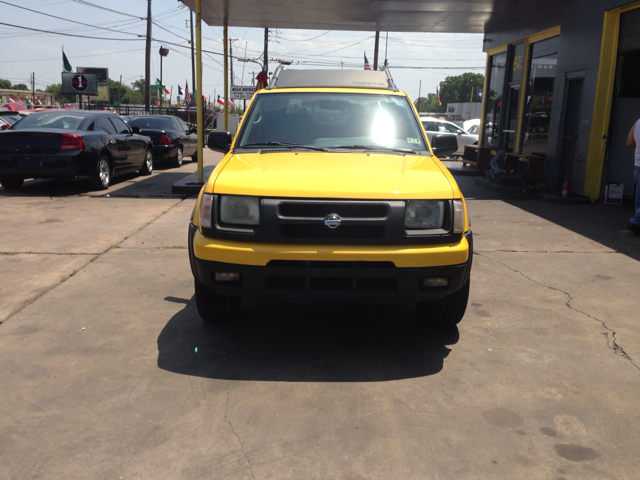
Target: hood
[[332, 175]]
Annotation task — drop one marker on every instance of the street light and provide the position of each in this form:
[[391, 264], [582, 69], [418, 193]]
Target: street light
[[163, 53]]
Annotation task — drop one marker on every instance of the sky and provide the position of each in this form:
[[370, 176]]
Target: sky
[[111, 35]]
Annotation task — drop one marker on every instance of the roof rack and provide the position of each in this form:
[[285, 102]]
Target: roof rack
[[375, 79]]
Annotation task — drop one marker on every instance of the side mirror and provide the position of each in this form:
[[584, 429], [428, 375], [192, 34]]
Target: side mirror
[[135, 129], [219, 141], [444, 144]]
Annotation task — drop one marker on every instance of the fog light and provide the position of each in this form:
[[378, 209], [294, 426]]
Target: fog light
[[227, 277], [435, 282]]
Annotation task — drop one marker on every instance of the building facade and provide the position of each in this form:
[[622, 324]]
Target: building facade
[[563, 82]]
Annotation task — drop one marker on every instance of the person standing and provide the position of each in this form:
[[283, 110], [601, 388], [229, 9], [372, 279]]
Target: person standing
[[633, 140]]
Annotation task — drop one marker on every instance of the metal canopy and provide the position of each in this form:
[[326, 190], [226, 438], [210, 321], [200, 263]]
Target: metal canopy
[[454, 16]]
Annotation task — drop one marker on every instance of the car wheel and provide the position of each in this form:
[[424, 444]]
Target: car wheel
[[445, 311], [194, 157], [177, 160], [147, 166], [215, 308], [102, 176], [11, 183]]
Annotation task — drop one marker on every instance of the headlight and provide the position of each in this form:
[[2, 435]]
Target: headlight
[[458, 216], [424, 214], [238, 210], [205, 210]]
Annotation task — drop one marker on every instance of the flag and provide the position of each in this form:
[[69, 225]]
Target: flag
[[10, 100], [367, 65], [479, 94], [187, 97], [66, 66], [28, 101], [221, 101], [263, 80], [38, 102], [56, 103], [180, 92], [167, 91], [438, 96]]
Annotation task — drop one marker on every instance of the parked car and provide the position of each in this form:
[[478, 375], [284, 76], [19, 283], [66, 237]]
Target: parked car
[[330, 193], [472, 126], [434, 125], [72, 144], [172, 138]]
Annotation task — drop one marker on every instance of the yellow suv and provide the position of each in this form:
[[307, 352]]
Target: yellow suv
[[330, 192]]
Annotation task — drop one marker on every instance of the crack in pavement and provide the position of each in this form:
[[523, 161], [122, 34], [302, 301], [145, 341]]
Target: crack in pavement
[[611, 343], [94, 256], [226, 408]]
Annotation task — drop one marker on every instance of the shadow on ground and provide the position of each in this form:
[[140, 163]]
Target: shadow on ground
[[310, 343], [131, 185], [605, 224]]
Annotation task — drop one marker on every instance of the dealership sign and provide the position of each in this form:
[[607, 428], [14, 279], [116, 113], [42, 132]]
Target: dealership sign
[[240, 92]]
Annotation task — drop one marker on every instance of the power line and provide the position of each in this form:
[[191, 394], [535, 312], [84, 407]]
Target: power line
[[65, 19], [71, 34], [83, 2]]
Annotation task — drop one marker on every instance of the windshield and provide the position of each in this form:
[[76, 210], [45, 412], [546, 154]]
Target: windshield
[[62, 120], [331, 120], [153, 123]]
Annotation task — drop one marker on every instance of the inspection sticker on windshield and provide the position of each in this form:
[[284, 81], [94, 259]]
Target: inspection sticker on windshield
[[413, 140]]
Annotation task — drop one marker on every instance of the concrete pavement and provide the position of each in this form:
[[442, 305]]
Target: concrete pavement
[[107, 371]]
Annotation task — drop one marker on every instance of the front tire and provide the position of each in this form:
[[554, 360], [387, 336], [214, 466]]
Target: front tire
[[215, 308], [176, 162], [147, 166], [102, 176], [11, 183], [445, 311]]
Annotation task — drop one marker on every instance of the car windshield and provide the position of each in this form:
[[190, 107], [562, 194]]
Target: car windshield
[[155, 123], [61, 120], [332, 120]]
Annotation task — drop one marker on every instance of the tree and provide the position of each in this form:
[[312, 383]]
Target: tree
[[430, 104], [56, 89], [458, 89], [5, 84], [20, 86]]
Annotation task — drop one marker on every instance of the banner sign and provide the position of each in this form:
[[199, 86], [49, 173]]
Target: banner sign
[[102, 74]]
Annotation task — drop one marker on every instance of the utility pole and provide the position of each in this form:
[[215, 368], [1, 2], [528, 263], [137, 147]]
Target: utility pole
[[33, 90], [119, 93], [266, 51], [147, 60], [193, 55], [419, 93]]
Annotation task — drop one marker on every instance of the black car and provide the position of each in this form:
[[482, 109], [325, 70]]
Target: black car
[[72, 144], [172, 138]]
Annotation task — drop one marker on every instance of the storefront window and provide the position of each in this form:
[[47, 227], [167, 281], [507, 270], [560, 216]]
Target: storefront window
[[539, 100], [493, 105]]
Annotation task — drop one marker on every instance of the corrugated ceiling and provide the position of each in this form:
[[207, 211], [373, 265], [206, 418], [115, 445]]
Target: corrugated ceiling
[[455, 16]]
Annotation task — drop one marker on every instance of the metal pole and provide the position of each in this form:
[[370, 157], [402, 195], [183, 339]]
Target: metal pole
[[419, 93], [160, 96], [375, 53], [225, 40], [200, 113], [193, 57], [147, 53]]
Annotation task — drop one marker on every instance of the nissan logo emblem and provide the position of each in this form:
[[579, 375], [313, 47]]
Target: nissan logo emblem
[[333, 221]]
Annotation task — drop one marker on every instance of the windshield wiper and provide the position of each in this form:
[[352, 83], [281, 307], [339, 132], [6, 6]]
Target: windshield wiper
[[376, 147], [284, 144]]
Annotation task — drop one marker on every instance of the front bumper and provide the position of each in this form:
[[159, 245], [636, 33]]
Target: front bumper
[[307, 279]]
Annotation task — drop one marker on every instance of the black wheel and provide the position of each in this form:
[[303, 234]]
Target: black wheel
[[445, 311], [11, 183], [147, 166], [102, 176], [177, 160], [216, 308], [194, 157]]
